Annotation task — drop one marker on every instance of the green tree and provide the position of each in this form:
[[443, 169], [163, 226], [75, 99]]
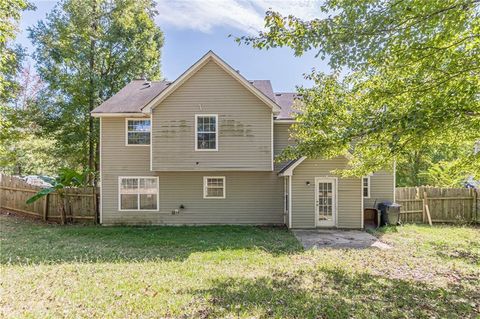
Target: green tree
[[66, 178], [11, 58], [432, 164], [23, 149], [411, 79], [10, 55], [86, 51]]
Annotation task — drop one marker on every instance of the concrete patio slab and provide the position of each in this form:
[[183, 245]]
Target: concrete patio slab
[[326, 238]]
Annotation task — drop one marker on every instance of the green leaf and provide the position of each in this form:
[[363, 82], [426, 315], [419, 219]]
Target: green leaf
[[40, 194]]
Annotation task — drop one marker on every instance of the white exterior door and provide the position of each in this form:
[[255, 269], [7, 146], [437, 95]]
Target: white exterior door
[[325, 201]]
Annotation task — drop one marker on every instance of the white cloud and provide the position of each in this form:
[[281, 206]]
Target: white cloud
[[246, 16]]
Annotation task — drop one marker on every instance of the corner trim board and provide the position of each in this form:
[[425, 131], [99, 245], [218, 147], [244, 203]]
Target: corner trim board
[[290, 199], [101, 176]]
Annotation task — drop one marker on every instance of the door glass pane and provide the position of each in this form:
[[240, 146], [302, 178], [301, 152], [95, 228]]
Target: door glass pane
[[325, 201]]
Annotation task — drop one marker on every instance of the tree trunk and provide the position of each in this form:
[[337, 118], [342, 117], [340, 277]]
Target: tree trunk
[[91, 126], [63, 212], [415, 168]]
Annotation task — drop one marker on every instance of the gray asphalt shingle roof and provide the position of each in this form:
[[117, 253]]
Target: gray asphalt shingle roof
[[137, 94], [285, 101], [287, 166], [132, 97]]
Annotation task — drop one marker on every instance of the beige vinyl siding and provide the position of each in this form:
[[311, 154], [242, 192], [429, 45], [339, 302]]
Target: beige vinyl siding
[[245, 126], [117, 159], [381, 188], [281, 139], [251, 197], [349, 194]]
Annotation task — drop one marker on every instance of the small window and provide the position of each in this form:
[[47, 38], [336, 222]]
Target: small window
[[138, 193], [214, 187], [366, 186], [138, 132], [206, 132]]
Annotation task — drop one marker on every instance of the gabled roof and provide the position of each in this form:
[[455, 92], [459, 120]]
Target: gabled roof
[[136, 98], [211, 56]]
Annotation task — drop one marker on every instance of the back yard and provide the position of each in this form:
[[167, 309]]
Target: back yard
[[202, 272]]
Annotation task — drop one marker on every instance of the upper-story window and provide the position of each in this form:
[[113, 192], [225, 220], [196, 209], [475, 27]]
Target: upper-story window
[[366, 186], [206, 132], [138, 132]]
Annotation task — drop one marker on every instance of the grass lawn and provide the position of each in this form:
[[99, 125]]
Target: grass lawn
[[230, 271]]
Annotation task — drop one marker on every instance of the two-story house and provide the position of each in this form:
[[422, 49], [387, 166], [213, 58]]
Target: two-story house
[[201, 150]]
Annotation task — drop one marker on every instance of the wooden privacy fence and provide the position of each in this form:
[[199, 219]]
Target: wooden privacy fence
[[438, 205], [81, 203]]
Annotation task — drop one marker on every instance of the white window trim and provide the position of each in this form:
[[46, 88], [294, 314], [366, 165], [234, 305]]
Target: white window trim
[[216, 133], [137, 210], [137, 119], [369, 186], [205, 178]]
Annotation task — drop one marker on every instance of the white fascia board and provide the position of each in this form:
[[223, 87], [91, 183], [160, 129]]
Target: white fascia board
[[289, 171], [118, 115]]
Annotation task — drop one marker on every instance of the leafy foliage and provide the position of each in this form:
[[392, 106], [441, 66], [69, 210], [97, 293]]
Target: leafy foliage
[[23, 149], [10, 55], [85, 52], [412, 79], [424, 167], [66, 178], [20, 150], [29, 154]]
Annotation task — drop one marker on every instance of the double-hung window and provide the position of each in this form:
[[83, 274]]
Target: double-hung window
[[206, 132], [138, 193], [138, 132], [214, 187], [366, 186]]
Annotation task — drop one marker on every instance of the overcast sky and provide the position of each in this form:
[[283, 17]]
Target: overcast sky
[[193, 27]]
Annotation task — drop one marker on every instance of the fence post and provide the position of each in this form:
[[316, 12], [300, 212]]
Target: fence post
[[424, 205], [475, 204], [427, 210], [45, 208]]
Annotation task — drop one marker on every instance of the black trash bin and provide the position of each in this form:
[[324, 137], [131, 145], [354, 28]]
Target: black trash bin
[[389, 213]]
